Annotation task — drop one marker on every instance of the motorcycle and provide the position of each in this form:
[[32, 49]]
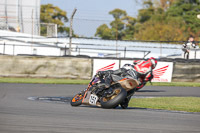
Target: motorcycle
[[107, 98]]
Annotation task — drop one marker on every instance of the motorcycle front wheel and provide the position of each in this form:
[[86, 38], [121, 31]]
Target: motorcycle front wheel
[[111, 101], [77, 100]]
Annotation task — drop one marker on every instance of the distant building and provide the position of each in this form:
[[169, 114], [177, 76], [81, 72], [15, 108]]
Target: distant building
[[20, 16]]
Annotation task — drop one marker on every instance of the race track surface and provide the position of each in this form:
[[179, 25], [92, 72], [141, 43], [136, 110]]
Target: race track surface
[[20, 115]]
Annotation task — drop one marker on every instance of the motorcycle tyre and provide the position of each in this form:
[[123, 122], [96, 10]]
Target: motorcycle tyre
[[76, 103], [116, 101]]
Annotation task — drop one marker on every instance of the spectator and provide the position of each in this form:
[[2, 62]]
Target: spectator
[[190, 44]]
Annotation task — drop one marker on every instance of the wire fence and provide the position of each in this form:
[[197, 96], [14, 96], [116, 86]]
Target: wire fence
[[19, 16], [36, 45], [62, 50], [59, 46]]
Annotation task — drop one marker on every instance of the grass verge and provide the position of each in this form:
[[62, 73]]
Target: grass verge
[[81, 81], [183, 84], [188, 104], [43, 81]]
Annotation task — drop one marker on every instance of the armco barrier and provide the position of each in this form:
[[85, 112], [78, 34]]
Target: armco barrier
[[80, 67]]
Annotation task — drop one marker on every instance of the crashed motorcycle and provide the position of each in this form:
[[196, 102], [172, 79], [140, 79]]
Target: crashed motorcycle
[[107, 98]]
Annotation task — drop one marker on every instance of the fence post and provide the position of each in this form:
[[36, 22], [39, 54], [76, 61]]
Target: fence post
[[124, 52], [144, 54], [70, 33], [32, 33], [56, 33], [6, 15], [65, 50], [79, 51], [4, 47], [160, 49], [116, 39], [13, 49]]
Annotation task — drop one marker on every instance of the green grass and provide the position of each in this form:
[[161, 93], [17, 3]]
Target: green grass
[[188, 104], [183, 84], [81, 81], [43, 81]]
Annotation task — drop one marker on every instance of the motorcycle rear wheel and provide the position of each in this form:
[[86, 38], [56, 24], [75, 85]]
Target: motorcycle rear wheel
[[77, 100], [119, 94]]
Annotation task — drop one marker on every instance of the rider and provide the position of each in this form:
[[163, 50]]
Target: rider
[[145, 71], [142, 71]]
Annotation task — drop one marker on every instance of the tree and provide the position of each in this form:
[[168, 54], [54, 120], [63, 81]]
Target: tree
[[159, 20], [171, 20], [129, 27], [118, 13], [104, 32], [146, 13], [164, 4], [187, 10], [122, 27], [162, 31], [53, 14], [117, 26]]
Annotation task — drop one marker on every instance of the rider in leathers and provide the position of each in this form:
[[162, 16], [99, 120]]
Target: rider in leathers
[[145, 70], [140, 71]]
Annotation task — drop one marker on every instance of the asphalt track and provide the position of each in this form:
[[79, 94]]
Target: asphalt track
[[20, 115]]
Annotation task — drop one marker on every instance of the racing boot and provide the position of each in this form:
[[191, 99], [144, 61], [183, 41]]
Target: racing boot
[[124, 104]]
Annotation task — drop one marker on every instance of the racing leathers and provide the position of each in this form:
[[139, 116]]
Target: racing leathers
[[145, 72]]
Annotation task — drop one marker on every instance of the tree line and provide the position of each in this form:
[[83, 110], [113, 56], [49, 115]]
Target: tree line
[[159, 20]]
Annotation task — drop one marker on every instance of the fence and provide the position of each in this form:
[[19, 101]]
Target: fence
[[36, 45], [62, 50], [19, 16], [31, 49]]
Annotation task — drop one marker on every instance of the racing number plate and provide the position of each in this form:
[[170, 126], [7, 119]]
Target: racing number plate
[[93, 99]]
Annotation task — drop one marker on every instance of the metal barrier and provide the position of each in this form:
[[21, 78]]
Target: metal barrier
[[33, 48], [37, 45]]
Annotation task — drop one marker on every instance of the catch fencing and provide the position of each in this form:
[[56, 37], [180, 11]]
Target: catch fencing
[[14, 43], [37, 45]]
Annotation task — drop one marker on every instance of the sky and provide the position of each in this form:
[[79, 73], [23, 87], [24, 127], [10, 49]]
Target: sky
[[92, 13]]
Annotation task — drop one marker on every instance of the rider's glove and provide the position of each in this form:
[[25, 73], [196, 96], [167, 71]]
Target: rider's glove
[[106, 73], [101, 73], [148, 77]]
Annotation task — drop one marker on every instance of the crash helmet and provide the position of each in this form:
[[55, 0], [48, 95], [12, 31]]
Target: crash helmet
[[153, 62]]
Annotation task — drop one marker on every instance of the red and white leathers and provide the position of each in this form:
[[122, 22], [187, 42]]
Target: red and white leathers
[[137, 61], [144, 69]]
